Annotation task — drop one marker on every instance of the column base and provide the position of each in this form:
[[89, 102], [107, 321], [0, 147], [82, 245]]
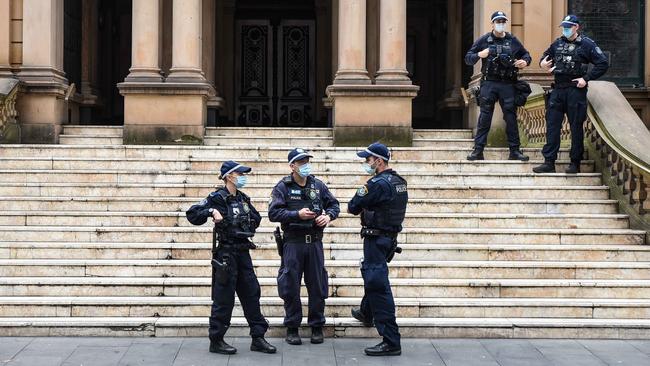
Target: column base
[[164, 113], [41, 105], [352, 77], [185, 75], [143, 75], [365, 114], [392, 77]]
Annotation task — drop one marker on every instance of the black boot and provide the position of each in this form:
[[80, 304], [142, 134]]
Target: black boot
[[477, 154], [259, 344], [293, 337], [356, 314], [317, 335], [517, 155], [547, 167], [384, 349], [220, 346], [574, 168]]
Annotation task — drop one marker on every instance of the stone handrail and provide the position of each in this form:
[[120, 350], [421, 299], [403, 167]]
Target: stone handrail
[[8, 124], [616, 139], [619, 142]]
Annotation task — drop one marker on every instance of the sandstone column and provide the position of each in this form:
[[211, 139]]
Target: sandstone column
[[145, 47], [42, 107], [186, 42], [392, 43], [364, 112], [352, 47], [173, 111], [5, 38]]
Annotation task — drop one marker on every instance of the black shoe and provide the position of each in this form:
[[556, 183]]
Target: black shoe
[[220, 346], [317, 335], [517, 155], [293, 337], [383, 349], [356, 314], [477, 154], [574, 168], [547, 167], [259, 344]]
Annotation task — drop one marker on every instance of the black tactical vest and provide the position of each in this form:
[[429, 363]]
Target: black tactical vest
[[567, 60], [237, 223], [390, 213], [302, 197], [500, 61]]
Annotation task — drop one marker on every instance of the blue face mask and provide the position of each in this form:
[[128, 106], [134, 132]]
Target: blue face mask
[[567, 32], [368, 168], [304, 170], [500, 27], [241, 181]]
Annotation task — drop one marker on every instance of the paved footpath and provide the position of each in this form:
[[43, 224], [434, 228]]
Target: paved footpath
[[42, 351]]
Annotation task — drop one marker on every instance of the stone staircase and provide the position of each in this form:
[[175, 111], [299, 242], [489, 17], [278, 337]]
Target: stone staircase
[[91, 135], [94, 241]]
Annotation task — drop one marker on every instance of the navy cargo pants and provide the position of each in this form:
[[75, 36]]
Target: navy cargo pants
[[299, 259], [378, 303], [244, 282], [504, 93], [571, 101]]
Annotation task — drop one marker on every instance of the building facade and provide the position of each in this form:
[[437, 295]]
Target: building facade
[[371, 69]]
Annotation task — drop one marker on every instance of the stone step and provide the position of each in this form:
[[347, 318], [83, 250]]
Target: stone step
[[416, 205], [311, 142], [251, 152], [257, 140], [284, 132], [324, 132], [332, 235], [96, 140], [352, 167], [271, 178], [398, 269], [423, 220], [39, 307], [90, 130], [202, 250], [430, 142], [438, 134], [338, 287], [334, 327], [98, 189]]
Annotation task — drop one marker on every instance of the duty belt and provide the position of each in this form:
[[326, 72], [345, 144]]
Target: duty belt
[[564, 84], [293, 237], [496, 78], [376, 232]]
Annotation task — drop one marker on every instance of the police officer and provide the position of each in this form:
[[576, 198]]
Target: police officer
[[382, 205], [235, 221], [568, 58], [502, 56], [304, 206]]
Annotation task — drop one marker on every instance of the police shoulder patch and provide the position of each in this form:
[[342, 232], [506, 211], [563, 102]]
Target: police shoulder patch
[[362, 191], [599, 51]]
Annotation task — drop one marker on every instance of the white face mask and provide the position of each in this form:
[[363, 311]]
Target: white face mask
[[500, 27]]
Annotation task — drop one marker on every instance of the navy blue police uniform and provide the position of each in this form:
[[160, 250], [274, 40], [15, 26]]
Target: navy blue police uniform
[[302, 253], [241, 219], [571, 60], [382, 204], [499, 76]]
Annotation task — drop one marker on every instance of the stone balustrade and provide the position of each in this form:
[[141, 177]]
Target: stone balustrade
[[9, 132]]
